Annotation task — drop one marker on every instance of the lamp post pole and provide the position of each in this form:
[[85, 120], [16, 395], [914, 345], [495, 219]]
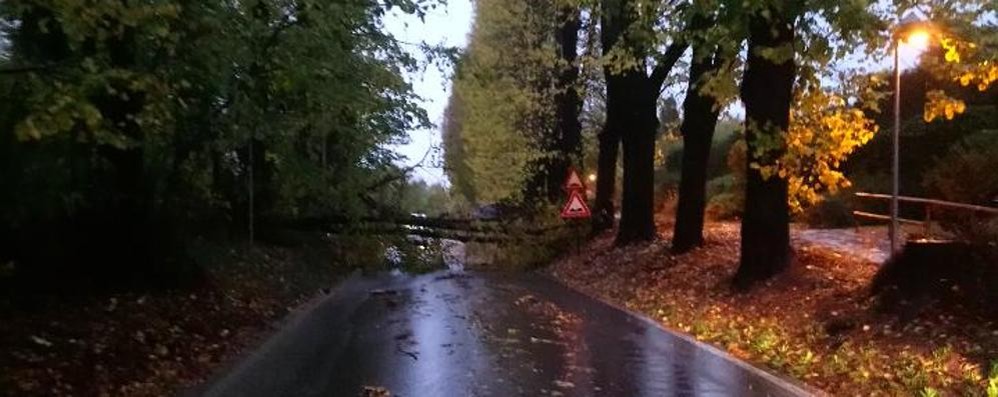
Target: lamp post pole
[[894, 230], [916, 31]]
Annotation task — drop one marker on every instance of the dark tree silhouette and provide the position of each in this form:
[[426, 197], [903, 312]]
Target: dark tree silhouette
[[699, 120], [606, 172], [568, 103], [632, 97], [766, 91]]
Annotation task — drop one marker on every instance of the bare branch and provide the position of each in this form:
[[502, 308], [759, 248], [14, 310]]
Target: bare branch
[[666, 61], [404, 172]]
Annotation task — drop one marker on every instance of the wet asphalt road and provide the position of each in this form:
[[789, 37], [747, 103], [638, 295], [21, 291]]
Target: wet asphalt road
[[471, 334]]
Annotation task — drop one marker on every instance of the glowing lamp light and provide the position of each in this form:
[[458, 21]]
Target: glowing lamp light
[[918, 39], [592, 177]]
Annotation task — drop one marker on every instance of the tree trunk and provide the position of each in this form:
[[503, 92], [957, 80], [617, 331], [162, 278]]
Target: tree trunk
[[632, 99], [697, 128], [606, 177], [766, 91], [262, 189], [568, 104], [604, 209], [611, 28], [638, 141]]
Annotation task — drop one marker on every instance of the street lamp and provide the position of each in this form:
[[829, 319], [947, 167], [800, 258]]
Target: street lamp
[[916, 33]]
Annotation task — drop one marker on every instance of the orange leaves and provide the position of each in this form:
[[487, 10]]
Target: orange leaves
[[983, 74], [962, 68], [938, 104], [823, 132], [952, 48]]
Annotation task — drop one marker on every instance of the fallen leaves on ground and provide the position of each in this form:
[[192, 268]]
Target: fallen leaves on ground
[[817, 322], [151, 344]]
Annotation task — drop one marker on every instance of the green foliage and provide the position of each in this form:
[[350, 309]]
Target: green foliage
[[190, 84], [533, 243], [668, 158], [727, 205], [419, 255], [138, 118], [418, 197], [726, 194], [992, 386], [502, 106], [455, 156], [726, 135]]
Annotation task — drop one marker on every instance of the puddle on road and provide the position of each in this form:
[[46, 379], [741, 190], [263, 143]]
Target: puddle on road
[[475, 334]]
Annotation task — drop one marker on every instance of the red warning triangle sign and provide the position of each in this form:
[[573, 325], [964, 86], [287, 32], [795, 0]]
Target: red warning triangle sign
[[575, 207], [573, 182]]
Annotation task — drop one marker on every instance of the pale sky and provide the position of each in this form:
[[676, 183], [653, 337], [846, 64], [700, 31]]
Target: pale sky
[[448, 25]]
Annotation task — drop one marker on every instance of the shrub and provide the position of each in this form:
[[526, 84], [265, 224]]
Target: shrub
[[965, 173], [831, 212], [723, 184], [725, 206], [726, 194], [947, 272]]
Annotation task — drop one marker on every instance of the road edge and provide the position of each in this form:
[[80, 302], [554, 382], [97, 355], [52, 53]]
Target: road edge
[[233, 364], [780, 380]]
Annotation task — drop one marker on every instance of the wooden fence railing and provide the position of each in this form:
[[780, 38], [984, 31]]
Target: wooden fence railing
[[928, 203]]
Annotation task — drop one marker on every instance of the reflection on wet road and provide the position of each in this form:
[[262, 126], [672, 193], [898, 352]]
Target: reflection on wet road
[[470, 334]]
